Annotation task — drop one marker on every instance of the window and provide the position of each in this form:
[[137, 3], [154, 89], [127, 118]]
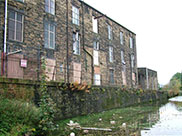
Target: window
[[96, 45], [49, 35], [132, 61], [124, 74], [111, 76], [15, 26], [95, 24], [110, 54], [121, 37], [131, 42], [20, 0], [50, 6], [97, 79], [75, 15], [122, 57], [76, 43], [61, 67], [109, 32], [96, 53]]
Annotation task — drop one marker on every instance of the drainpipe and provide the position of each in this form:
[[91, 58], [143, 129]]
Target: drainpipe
[[83, 33], [5, 24], [5, 34], [67, 41], [147, 78]]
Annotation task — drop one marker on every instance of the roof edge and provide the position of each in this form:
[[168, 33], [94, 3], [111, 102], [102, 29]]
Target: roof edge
[[106, 16]]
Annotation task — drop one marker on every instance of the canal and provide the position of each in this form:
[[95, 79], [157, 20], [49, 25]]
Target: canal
[[166, 121], [149, 119]]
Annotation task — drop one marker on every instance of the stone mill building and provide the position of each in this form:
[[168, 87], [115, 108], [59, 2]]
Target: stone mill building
[[80, 44]]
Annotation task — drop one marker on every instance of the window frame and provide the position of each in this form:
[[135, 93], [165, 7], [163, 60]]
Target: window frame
[[111, 76], [20, 0], [131, 43], [122, 57], [96, 45], [94, 24], [109, 32], [132, 58], [111, 54], [75, 15], [121, 38], [48, 46], [76, 43], [15, 20], [48, 7]]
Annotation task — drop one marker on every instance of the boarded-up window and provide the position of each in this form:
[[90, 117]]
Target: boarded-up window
[[97, 79], [13, 66], [96, 57], [50, 69], [95, 24], [76, 72], [124, 75], [133, 76], [124, 78]]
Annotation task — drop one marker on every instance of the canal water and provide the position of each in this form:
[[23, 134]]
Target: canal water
[[166, 121]]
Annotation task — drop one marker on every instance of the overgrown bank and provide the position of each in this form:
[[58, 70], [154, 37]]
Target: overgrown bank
[[71, 100]]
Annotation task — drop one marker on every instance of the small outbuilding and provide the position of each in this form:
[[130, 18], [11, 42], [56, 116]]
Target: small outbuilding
[[147, 79]]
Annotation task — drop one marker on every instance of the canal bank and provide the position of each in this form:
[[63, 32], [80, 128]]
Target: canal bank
[[75, 100], [126, 121], [147, 119]]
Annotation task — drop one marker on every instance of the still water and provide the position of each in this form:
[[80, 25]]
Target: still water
[[167, 121]]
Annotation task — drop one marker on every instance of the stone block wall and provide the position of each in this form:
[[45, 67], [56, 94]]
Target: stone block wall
[[35, 17], [72, 103]]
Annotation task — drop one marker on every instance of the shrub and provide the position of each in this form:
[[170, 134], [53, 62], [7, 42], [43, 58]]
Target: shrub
[[13, 112]]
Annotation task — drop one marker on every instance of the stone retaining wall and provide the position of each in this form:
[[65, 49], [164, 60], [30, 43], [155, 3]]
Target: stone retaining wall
[[73, 103]]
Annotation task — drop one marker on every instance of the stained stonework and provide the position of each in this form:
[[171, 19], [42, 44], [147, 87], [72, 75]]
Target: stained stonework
[[33, 37], [147, 79]]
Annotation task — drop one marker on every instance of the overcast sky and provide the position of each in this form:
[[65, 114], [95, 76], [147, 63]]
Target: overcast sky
[[158, 28]]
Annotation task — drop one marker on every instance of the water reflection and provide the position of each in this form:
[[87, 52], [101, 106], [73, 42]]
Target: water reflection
[[166, 121]]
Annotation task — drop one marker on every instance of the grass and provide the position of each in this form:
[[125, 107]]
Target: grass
[[132, 116]]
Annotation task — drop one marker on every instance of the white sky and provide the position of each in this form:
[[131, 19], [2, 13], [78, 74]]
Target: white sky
[[158, 28]]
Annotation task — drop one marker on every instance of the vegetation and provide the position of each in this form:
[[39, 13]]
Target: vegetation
[[132, 116], [19, 117], [174, 86]]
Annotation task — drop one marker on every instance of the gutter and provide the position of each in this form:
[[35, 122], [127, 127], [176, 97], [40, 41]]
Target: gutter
[[83, 32]]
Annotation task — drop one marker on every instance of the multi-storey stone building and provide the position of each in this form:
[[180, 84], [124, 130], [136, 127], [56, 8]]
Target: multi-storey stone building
[[147, 79], [79, 43]]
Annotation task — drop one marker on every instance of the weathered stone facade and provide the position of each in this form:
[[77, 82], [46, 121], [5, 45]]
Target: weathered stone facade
[[75, 67], [147, 79]]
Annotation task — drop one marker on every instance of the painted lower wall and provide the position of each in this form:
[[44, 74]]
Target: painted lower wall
[[73, 103]]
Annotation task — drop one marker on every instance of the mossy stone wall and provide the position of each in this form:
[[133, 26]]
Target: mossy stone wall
[[72, 103]]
